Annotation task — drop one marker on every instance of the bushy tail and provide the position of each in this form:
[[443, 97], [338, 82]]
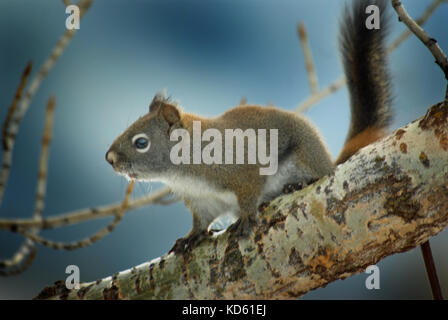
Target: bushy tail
[[365, 66]]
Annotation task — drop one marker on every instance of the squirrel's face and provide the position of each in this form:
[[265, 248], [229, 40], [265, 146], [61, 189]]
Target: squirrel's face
[[142, 151]]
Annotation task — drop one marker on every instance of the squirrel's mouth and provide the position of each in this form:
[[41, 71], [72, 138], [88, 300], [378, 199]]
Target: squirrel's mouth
[[128, 175], [126, 170]]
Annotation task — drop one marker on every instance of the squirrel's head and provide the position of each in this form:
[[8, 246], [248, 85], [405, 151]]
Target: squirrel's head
[[142, 151]]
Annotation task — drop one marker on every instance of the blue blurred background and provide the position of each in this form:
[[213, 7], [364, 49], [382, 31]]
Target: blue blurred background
[[208, 54]]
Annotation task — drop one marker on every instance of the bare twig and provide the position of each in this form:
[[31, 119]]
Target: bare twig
[[43, 162], [431, 271], [21, 109], [10, 129], [47, 66], [14, 103], [341, 81], [421, 21], [91, 239], [16, 268], [312, 77], [336, 85], [16, 259], [27, 249], [7, 153], [429, 42], [83, 215]]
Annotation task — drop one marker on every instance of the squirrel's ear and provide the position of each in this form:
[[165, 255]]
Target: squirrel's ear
[[157, 101], [170, 113], [162, 106]]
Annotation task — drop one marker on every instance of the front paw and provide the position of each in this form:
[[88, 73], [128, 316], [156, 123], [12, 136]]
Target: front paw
[[292, 187], [186, 244]]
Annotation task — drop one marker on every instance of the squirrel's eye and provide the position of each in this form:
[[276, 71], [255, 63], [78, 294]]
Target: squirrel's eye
[[141, 142]]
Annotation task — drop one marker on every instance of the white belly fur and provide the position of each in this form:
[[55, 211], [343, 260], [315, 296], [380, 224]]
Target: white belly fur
[[213, 201]]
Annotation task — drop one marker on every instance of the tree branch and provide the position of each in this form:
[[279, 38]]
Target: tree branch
[[18, 112], [430, 43], [24, 256], [89, 214], [420, 21], [312, 77], [27, 250], [389, 197], [90, 239]]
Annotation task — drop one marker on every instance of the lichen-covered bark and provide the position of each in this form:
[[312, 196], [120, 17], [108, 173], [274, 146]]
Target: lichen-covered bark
[[388, 198]]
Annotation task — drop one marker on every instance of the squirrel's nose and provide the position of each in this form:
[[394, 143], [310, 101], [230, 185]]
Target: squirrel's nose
[[111, 157]]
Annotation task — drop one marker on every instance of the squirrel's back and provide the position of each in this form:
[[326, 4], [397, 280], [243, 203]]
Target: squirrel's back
[[296, 135]]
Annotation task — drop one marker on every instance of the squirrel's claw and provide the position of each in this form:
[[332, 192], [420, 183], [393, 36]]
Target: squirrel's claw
[[242, 227]]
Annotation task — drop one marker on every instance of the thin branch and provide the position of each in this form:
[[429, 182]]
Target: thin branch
[[305, 105], [7, 153], [47, 66], [429, 42], [312, 77], [43, 162], [17, 258], [17, 268], [83, 215], [21, 109], [27, 250], [14, 103], [91, 239], [341, 81], [421, 21], [431, 271], [10, 129]]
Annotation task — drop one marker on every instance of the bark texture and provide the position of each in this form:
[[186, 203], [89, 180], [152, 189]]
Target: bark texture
[[390, 197]]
